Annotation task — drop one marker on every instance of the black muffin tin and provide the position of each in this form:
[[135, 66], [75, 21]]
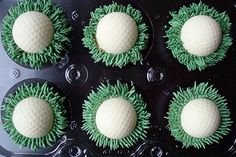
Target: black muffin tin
[[76, 75]]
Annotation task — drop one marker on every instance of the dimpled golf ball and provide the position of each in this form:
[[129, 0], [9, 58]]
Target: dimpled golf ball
[[32, 31], [200, 118], [33, 117], [201, 35], [116, 118], [116, 33]]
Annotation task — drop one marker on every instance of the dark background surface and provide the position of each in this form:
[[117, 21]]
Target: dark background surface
[[157, 93]]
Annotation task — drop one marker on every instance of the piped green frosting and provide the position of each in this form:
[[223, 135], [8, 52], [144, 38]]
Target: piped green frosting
[[53, 52], [175, 44], [133, 55], [43, 92], [181, 98], [107, 91]]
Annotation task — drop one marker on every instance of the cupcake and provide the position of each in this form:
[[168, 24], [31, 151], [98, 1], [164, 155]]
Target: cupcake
[[198, 116], [34, 116], [199, 36], [115, 116], [35, 33], [116, 35]]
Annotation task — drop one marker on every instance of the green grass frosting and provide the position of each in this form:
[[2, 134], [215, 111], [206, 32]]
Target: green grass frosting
[[53, 52], [43, 92], [181, 98], [175, 44], [133, 55], [107, 91]]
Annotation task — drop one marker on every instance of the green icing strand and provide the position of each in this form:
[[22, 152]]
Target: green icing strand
[[60, 39], [40, 91], [107, 91], [174, 42], [134, 54], [181, 98]]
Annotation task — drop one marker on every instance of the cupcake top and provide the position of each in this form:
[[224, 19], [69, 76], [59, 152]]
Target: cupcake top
[[198, 116], [34, 116], [198, 36], [116, 35], [35, 33], [115, 116]]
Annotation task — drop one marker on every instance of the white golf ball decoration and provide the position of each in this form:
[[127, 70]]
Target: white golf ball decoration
[[201, 35], [116, 118], [32, 31], [33, 117], [116, 33], [200, 118]]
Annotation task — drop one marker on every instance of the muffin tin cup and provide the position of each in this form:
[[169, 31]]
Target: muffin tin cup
[[65, 45], [223, 148], [146, 19], [28, 82]]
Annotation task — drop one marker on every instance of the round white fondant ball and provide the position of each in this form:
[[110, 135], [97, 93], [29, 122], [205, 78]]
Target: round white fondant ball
[[200, 118], [116, 33], [116, 118], [32, 31], [33, 117], [201, 35]]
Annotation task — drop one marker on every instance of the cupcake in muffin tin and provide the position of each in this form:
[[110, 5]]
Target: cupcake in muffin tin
[[35, 33], [114, 138], [34, 115]]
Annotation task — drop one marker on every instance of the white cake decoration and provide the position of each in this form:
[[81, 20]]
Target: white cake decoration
[[201, 35], [200, 118], [32, 31], [116, 118], [116, 33], [33, 117]]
